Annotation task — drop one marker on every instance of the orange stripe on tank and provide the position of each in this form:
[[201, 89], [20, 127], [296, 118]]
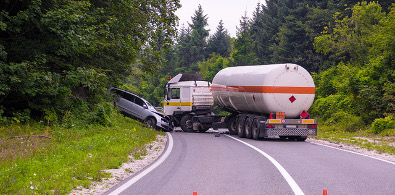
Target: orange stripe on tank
[[264, 89]]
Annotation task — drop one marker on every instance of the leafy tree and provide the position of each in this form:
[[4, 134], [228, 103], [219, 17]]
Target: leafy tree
[[220, 43], [364, 43], [58, 55], [211, 66], [348, 41]]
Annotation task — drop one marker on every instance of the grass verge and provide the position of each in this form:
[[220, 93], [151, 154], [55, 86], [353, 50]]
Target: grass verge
[[383, 142], [55, 160]]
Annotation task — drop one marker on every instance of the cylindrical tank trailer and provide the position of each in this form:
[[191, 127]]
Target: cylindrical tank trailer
[[274, 88], [264, 101]]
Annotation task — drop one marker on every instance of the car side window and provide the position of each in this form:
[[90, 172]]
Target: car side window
[[128, 96], [175, 93], [139, 101]]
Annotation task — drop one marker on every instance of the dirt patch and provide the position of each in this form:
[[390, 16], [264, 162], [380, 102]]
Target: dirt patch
[[154, 150], [356, 149]]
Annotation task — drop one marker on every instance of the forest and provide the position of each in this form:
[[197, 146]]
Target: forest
[[57, 58]]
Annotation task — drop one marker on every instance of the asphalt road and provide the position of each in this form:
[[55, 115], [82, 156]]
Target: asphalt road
[[203, 163]]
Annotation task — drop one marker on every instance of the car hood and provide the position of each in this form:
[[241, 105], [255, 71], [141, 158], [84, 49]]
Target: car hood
[[156, 112]]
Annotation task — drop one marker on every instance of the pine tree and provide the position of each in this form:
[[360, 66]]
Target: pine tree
[[184, 47], [198, 37], [220, 43], [243, 53]]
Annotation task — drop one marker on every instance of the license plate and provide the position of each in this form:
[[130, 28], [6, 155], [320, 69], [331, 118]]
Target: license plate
[[290, 126]]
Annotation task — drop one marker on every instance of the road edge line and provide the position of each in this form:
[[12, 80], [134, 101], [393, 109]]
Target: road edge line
[[148, 170], [291, 182]]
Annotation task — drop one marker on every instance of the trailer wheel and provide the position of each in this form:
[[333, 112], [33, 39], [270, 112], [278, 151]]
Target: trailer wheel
[[247, 129], [186, 123], [241, 126], [232, 125], [255, 128]]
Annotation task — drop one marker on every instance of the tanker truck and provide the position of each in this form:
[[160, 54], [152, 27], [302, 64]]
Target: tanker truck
[[263, 101]]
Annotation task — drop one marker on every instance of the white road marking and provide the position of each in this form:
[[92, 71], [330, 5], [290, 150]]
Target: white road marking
[[283, 172], [146, 171], [344, 150]]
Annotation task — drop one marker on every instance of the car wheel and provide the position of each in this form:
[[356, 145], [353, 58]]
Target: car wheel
[[150, 122], [186, 123]]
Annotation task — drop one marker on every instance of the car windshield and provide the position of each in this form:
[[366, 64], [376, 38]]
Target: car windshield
[[149, 105]]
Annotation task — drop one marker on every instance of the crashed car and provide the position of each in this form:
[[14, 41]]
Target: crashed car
[[140, 109]]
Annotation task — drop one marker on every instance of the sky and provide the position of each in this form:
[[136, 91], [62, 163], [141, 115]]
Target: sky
[[230, 11]]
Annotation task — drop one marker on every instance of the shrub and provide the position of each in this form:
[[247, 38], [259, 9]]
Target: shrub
[[101, 114], [325, 108], [346, 121], [381, 124]]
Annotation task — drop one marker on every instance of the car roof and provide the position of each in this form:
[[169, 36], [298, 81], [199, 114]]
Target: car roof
[[128, 92]]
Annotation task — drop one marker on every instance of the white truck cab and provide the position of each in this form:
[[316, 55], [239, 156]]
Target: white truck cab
[[185, 96]]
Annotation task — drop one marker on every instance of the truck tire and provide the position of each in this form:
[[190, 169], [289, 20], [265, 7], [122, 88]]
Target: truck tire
[[204, 129], [247, 127], [241, 126], [232, 125], [186, 123], [255, 127]]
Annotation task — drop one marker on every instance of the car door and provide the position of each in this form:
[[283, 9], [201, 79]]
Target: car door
[[122, 103], [141, 108], [127, 102]]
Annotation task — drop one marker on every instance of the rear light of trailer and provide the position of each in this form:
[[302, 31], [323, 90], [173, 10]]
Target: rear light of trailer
[[269, 126], [312, 126]]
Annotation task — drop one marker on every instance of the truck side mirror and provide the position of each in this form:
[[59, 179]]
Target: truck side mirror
[[166, 89], [167, 94]]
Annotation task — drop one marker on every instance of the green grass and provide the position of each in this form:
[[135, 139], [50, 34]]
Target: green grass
[[364, 138], [75, 156]]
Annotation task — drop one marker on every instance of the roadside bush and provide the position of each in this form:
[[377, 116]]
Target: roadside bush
[[381, 124], [346, 121], [2, 118], [101, 114], [324, 108]]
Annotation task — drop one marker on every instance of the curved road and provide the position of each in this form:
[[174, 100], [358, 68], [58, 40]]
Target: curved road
[[207, 164]]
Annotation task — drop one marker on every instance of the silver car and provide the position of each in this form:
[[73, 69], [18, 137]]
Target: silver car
[[139, 108]]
